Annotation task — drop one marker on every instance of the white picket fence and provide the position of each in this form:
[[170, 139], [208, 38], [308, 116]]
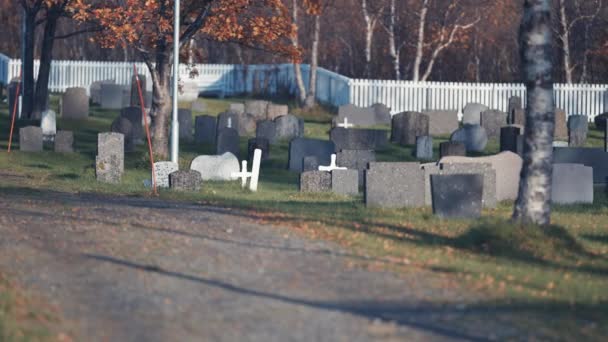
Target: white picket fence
[[332, 88]]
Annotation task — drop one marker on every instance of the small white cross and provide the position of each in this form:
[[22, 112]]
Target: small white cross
[[229, 124], [254, 174], [332, 166], [345, 124]]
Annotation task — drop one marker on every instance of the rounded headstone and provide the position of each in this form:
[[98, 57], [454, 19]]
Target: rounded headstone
[[289, 127], [600, 121], [472, 113], [75, 104], [216, 168], [266, 129], [474, 137]]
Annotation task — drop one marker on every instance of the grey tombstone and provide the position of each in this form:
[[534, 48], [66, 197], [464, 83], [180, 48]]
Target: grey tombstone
[[247, 124], [216, 168], [275, 110], [514, 110], [162, 170], [518, 118], [457, 196], [572, 184], [358, 139], [474, 137], [185, 180], [227, 141], [310, 163], [472, 113], [266, 129], [48, 124], [512, 140], [489, 198], [442, 122], [452, 148], [289, 127], [30, 139], [125, 127], [345, 182], [64, 142], [394, 185], [315, 181], [112, 96], [134, 99], [360, 117], [578, 127], [228, 120], [12, 96], [75, 104], [424, 147], [382, 114], [356, 160], [185, 124], [258, 143], [108, 169], [237, 108], [304, 147], [492, 121], [407, 126], [133, 114], [595, 158], [257, 108], [199, 106], [205, 127], [112, 144]]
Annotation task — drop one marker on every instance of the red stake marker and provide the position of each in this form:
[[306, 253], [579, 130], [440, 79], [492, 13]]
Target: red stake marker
[[145, 116], [10, 137]]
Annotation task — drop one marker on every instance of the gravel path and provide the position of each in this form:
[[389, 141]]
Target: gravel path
[[133, 269]]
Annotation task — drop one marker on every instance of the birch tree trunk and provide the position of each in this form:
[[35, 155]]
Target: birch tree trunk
[[314, 64], [301, 95], [533, 204], [565, 39], [370, 25], [392, 40], [420, 43]]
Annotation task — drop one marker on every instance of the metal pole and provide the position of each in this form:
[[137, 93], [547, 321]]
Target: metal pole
[[175, 120], [21, 75]]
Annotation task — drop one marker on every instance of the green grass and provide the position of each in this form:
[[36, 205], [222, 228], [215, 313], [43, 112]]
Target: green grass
[[555, 279]]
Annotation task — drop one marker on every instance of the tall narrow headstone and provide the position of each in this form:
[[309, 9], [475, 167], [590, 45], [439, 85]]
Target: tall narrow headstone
[[110, 160], [424, 147], [561, 128], [515, 104], [185, 124], [578, 127]]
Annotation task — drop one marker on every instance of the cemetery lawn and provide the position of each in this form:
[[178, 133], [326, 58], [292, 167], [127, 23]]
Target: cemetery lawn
[[552, 281]]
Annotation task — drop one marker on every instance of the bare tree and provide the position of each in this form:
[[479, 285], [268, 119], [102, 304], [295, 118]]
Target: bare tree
[[296, 66], [533, 203], [371, 19], [394, 48]]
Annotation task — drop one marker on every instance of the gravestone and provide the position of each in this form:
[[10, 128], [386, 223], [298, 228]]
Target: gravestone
[[289, 127], [216, 168], [205, 129], [356, 160], [267, 129], [124, 126], [572, 184], [275, 110], [345, 182], [595, 158], [110, 159], [305, 147], [492, 121], [473, 137], [382, 114], [310, 163], [247, 125], [442, 122], [257, 108], [185, 180], [518, 118], [95, 90], [452, 148], [472, 113], [64, 142], [48, 123], [489, 197], [107, 169], [258, 143], [112, 96], [360, 117], [133, 114], [424, 147], [227, 141], [511, 140], [561, 128], [185, 124], [600, 121], [358, 139], [228, 120], [578, 127], [407, 126], [394, 185], [12, 96], [134, 99], [514, 111], [457, 196], [315, 181], [162, 170], [30, 139], [237, 108], [508, 169], [75, 104], [199, 106]]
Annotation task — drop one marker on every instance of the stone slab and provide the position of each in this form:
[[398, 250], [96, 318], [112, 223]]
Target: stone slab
[[205, 129], [345, 182], [30, 139], [358, 139], [471, 113], [356, 160], [489, 198], [394, 185], [457, 196], [162, 170], [442, 122], [267, 129], [185, 180], [424, 147], [452, 148], [315, 181], [572, 184], [407, 126], [595, 158], [305, 147], [75, 104], [64, 142], [216, 168], [492, 121], [227, 141], [289, 127]]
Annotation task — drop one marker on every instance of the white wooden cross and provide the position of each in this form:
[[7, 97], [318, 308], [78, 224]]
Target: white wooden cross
[[332, 166], [229, 124], [254, 175], [346, 124]]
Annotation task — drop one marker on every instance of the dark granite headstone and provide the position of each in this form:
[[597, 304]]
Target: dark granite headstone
[[315, 181], [227, 141], [382, 114], [304, 147], [345, 182], [511, 140], [123, 126], [133, 114], [452, 148], [356, 160], [578, 127], [596, 158], [394, 185], [515, 105], [407, 126], [424, 147], [64, 142], [185, 124], [268, 130], [572, 184], [310, 163], [289, 127], [205, 129], [457, 196], [228, 120], [186, 180], [30, 139], [258, 143], [600, 121], [474, 137], [358, 139]]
